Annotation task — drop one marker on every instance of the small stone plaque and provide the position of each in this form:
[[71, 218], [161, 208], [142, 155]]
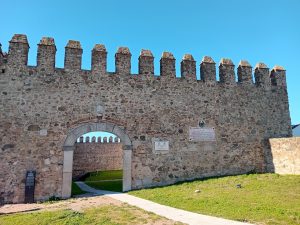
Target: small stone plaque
[[161, 145], [199, 134], [99, 109], [43, 132]]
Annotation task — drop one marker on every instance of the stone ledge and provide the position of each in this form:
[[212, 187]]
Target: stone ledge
[[47, 41], [74, 44], [208, 59], [99, 48], [225, 61], [188, 57], [167, 55], [124, 51], [146, 53], [19, 38]]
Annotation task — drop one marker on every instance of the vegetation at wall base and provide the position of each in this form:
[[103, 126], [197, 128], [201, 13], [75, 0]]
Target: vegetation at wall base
[[257, 198]]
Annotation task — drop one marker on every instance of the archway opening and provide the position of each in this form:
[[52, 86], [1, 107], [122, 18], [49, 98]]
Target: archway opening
[[98, 161], [69, 146]]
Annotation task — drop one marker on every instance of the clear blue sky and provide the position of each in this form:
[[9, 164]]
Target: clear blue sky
[[97, 134], [257, 30]]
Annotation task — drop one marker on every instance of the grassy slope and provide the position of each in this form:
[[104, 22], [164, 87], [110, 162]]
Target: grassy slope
[[97, 180], [76, 190], [105, 175], [106, 185], [108, 215], [265, 198]]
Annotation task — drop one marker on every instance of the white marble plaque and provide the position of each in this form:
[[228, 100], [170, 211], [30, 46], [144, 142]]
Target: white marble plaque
[[43, 132], [161, 145], [202, 134]]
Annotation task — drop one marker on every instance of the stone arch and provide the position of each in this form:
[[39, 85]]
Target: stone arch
[[69, 146]]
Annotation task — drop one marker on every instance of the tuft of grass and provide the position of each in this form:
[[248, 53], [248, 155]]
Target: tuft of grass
[[113, 185], [52, 200], [257, 198], [76, 190], [104, 175], [107, 214], [43, 218]]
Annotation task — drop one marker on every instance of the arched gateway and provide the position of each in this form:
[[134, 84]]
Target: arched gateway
[[69, 146], [180, 129]]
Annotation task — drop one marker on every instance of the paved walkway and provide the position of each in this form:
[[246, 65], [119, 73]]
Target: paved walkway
[[162, 210]]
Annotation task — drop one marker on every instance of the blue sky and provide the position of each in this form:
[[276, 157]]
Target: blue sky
[[257, 30], [97, 134]]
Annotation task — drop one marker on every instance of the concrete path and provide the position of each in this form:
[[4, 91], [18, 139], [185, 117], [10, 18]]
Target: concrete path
[[162, 210]]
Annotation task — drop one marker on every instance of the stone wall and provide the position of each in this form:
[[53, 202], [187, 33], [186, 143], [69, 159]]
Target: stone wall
[[90, 157], [3, 60], [40, 104], [286, 155]]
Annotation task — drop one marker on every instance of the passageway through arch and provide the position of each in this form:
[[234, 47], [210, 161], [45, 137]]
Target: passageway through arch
[[98, 161], [70, 144]]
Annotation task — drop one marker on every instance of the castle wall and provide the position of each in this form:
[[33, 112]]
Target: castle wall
[[90, 157], [39, 105], [286, 155]]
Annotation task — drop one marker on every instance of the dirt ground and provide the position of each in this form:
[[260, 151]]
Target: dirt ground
[[77, 204]]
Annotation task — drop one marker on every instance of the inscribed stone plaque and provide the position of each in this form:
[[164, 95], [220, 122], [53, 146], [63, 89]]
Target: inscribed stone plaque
[[161, 145], [202, 134]]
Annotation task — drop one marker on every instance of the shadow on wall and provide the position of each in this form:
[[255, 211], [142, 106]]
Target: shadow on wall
[[296, 130], [268, 157]]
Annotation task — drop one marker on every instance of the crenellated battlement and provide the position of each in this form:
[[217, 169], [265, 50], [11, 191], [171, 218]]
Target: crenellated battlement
[[99, 139], [165, 128], [46, 55], [3, 58], [17, 60]]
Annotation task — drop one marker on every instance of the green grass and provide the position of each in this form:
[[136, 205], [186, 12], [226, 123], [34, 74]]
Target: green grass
[[108, 215], [113, 185], [104, 175], [43, 218], [110, 180], [76, 190], [263, 198]]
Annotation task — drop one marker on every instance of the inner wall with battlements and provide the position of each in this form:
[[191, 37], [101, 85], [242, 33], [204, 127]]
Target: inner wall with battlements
[[91, 156], [40, 104]]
